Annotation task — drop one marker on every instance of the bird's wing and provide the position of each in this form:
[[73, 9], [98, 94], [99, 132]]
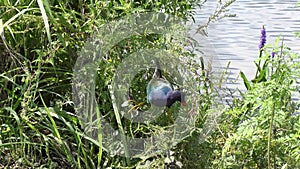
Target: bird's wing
[[158, 87]]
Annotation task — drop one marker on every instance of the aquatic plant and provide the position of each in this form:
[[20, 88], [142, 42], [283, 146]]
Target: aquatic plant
[[263, 38]]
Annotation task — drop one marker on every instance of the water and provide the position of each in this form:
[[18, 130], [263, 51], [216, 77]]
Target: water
[[236, 39]]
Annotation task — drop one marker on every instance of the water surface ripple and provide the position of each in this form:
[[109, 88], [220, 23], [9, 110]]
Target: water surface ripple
[[236, 39]]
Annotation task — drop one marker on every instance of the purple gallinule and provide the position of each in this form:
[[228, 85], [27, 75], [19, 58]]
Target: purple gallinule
[[160, 91]]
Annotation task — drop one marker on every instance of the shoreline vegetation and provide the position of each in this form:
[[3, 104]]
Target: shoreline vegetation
[[39, 127]]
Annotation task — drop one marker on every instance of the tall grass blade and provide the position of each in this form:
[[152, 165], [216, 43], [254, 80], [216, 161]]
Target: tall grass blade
[[56, 133], [13, 19], [245, 80], [45, 18]]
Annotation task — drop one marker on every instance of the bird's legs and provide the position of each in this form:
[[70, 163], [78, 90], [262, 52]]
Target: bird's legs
[[135, 107]]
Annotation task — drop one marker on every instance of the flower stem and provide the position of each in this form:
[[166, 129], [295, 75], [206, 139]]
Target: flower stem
[[269, 136]]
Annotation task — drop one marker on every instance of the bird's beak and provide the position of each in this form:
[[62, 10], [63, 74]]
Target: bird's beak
[[183, 103]]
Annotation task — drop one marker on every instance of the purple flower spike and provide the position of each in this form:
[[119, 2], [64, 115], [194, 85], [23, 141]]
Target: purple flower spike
[[273, 54], [263, 38]]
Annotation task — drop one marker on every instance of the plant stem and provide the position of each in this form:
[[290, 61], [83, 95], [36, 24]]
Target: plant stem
[[258, 69], [269, 136], [120, 126]]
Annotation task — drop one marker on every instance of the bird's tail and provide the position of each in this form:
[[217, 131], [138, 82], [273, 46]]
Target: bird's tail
[[157, 72]]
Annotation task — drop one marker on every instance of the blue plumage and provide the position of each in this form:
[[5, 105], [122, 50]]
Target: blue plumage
[[160, 92]]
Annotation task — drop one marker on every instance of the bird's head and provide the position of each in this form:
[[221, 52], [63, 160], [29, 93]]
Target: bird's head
[[176, 96]]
